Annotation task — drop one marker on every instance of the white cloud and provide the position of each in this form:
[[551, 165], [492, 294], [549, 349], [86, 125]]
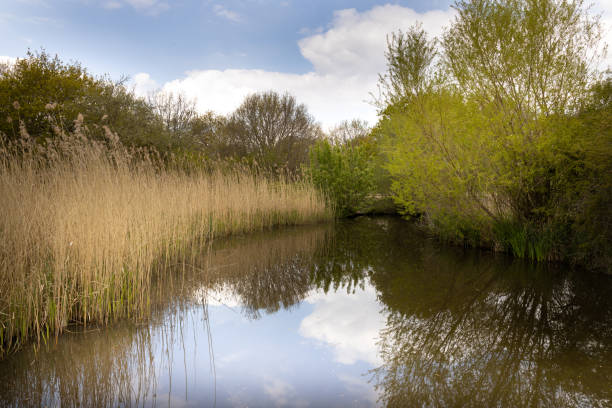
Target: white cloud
[[279, 391], [349, 323], [143, 84], [356, 42], [346, 59], [225, 13]]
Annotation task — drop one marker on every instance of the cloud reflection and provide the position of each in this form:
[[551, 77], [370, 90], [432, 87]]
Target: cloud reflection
[[347, 322]]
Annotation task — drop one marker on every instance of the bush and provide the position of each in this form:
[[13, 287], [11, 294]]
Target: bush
[[344, 172], [41, 92]]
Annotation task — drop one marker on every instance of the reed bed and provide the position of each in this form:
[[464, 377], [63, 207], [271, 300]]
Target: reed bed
[[87, 224], [123, 366]]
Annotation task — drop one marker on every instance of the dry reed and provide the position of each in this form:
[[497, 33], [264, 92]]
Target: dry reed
[[86, 225]]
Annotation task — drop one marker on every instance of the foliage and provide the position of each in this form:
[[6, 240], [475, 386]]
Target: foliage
[[586, 202], [41, 92], [44, 95], [353, 131], [525, 58], [409, 65], [506, 141], [177, 114], [344, 172], [38, 86]]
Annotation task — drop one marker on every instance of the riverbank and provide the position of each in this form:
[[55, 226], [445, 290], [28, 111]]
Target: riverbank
[[87, 224]]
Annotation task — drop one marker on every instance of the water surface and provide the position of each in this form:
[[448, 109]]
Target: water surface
[[362, 313]]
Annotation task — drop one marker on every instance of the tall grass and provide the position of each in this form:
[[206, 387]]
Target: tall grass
[[86, 224], [526, 241], [127, 365]]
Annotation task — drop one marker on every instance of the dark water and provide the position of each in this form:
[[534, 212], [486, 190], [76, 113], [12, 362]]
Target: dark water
[[364, 313]]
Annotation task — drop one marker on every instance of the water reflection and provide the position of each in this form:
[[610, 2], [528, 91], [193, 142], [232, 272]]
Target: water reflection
[[266, 273], [362, 313], [347, 323], [499, 340], [465, 328]]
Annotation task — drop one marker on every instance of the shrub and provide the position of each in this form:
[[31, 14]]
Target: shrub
[[344, 172]]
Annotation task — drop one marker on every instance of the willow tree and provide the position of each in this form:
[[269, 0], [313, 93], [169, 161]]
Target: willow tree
[[410, 57], [527, 64], [524, 57], [480, 144]]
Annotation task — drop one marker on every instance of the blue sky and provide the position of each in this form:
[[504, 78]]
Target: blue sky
[[168, 38], [327, 53]]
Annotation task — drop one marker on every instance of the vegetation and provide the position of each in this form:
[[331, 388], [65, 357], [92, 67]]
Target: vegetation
[[272, 129], [273, 132], [40, 87], [88, 223], [342, 167], [498, 134]]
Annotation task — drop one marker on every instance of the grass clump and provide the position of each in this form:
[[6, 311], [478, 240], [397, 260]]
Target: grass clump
[[87, 223]]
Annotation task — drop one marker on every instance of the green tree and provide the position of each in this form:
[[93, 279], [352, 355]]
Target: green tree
[[42, 95], [483, 141], [208, 132], [410, 56], [585, 167], [344, 172], [177, 114], [37, 87], [353, 131]]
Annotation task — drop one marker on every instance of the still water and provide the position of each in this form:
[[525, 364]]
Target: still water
[[362, 313]]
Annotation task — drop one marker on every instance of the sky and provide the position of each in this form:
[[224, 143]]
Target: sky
[[327, 53]]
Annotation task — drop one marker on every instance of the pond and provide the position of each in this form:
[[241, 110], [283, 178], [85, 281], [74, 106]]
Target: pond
[[360, 313]]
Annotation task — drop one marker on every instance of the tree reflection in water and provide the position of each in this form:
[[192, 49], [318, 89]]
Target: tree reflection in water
[[463, 328], [266, 274], [477, 330]]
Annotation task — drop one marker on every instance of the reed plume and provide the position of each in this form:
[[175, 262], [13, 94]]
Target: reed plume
[[86, 224]]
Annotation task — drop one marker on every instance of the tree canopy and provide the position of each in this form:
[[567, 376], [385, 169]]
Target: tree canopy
[[494, 131], [273, 128]]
